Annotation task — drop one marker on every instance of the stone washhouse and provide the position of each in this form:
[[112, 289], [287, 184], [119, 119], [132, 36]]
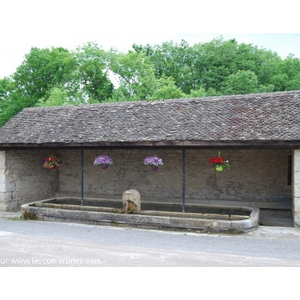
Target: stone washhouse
[[258, 133]]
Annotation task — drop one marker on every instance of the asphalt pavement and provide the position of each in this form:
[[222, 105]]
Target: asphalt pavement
[[53, 244]]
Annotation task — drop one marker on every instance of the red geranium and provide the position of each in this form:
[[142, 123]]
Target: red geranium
[[217, 160], [51, 162], [219, 163]]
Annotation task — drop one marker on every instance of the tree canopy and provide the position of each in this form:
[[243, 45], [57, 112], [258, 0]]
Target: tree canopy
[[89, 74]]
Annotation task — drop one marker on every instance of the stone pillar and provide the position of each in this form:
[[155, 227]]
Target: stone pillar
[[2, 180], [296, 188], [6, 186]]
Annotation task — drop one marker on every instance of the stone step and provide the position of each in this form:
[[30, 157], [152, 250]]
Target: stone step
[[283, 218]]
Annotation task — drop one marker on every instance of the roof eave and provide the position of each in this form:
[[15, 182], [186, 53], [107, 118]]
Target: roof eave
[[162, 144]]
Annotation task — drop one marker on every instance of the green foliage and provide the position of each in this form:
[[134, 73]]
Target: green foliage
[[89, 74], [293, 83], [43, 69], [57, 97], [6, 87], [11, 101], [166, 89], [198, 93], [288, 75], [242, 82], [208, 65], [92, 73], [279, 81], [135, 75], [171, 60], [11, 105]]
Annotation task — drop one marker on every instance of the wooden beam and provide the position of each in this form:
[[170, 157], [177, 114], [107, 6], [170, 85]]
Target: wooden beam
[[159, 144]]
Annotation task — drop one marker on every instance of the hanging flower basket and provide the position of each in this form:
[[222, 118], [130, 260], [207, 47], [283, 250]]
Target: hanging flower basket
[[103, 161], [52, 161], [219, 163], [153, 161]]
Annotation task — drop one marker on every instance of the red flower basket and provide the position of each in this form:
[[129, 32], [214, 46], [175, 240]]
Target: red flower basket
[[219, 163], [51, 162]]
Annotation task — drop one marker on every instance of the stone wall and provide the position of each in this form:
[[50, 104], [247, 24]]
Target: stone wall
[[23, 180], [4, 196], [296, 187], [256, 178]]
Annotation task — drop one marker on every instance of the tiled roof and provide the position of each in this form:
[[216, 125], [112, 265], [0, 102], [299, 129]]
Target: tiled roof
[[239, 118]]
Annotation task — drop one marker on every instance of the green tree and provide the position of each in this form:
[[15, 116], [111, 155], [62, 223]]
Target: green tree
[[7, 86], [166, 89], [293, 83], [171, 60], [279, 81], [288, 74], [57, 97], [207, 65], [135, 75], [42, 70], [10, 100], [290, 66], [242, 82], [198, 93], [10, 105], [92, 76]]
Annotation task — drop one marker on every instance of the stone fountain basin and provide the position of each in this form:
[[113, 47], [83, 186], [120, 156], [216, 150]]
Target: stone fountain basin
[[154, 215]]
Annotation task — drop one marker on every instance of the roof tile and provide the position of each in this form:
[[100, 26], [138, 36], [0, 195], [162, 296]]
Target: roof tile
[[254, 117]]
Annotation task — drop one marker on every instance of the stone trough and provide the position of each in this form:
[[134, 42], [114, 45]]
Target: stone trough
[[153, 215]]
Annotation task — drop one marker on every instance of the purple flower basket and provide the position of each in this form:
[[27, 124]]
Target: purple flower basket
[[103, 161], [153, 161]]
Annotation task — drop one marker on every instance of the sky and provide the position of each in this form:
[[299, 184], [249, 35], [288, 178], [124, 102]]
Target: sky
[[120, 24]]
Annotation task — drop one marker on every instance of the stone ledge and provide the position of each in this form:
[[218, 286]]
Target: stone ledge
[[143, 219]]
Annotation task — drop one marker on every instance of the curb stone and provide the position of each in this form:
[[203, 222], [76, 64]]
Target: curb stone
[[261, 231], [10, 215]]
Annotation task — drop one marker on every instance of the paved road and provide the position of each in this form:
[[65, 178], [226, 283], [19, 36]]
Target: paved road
[[40, 243]]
